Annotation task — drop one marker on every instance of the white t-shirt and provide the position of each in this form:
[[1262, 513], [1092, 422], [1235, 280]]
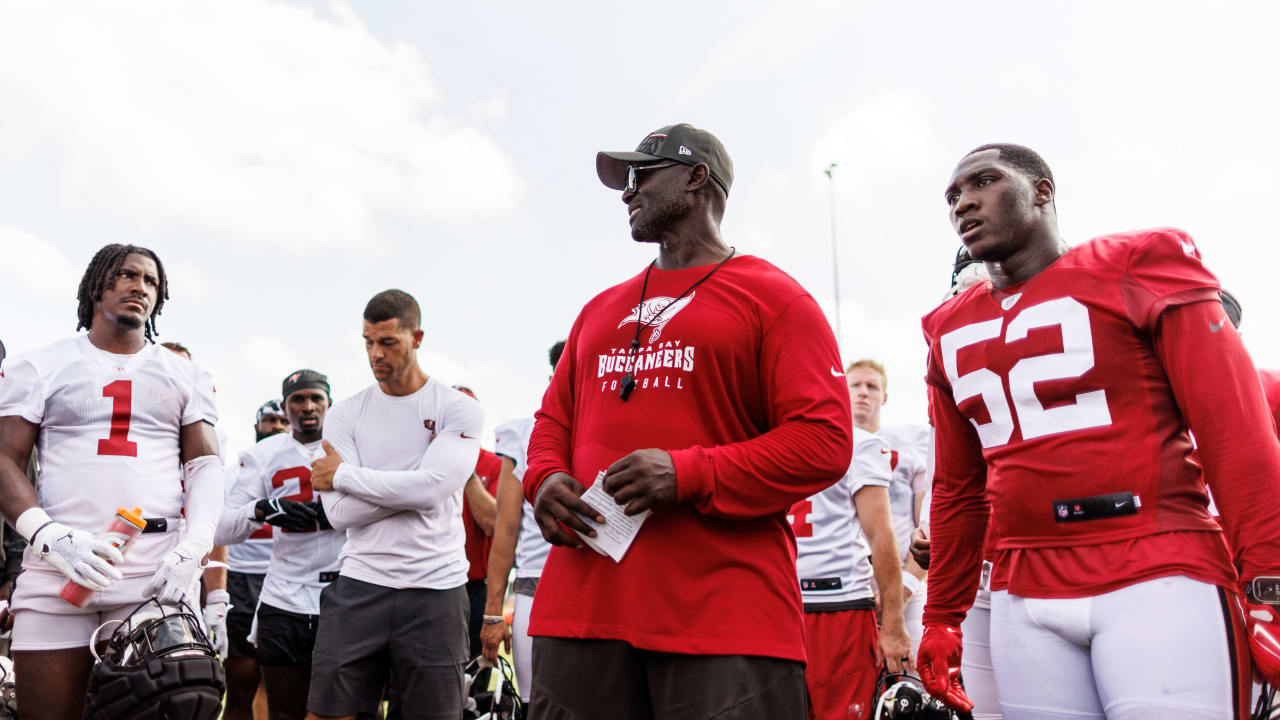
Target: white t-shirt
[[833, 559], [110, 435], [908, 463], [531, 547], [398, 492], [302, 563], [254, 554]]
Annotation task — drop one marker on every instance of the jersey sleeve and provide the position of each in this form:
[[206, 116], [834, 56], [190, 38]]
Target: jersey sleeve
[[1233, 428], [244, 490], [550, 440], [1163, 271], [809, 443], [958, 512], [871, 455], [22, 391], [201, 405], [508, 443]]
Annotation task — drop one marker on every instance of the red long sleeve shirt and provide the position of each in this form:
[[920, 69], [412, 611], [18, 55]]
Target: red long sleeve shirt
[[740, 381], [1077, 386], [488, 467]]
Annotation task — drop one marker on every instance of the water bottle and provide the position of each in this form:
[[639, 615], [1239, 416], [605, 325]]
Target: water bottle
[[125, 527]]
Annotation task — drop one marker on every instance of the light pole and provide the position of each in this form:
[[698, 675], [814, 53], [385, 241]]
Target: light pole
[[835, 259]]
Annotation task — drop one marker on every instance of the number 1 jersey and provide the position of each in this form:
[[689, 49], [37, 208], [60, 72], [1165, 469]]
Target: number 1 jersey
[[1056, 391], [110, 428]]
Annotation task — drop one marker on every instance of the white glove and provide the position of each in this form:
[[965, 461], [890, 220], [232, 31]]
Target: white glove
[[177, 573], [216, 605], [83, 558]]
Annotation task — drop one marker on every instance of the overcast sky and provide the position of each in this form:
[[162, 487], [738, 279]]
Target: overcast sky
[[288, 160]]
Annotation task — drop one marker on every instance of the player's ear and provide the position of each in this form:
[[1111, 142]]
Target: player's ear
[[1044, 191], [417, 338]]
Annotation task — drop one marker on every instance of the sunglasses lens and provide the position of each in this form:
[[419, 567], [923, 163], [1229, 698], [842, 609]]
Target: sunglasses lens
[[631, 178]]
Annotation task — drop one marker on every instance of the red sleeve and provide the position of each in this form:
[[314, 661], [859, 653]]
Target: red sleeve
[[1271, 390], [809, 444], [1217, 390], [1163, 271], [957, 513], [550, 441]]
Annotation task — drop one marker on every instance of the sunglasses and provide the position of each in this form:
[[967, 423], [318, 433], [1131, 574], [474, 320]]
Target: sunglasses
[[632, 170]]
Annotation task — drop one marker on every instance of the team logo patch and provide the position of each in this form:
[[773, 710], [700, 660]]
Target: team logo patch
[[656, 312], [429, 424], [1062, 510], [1010, 301]]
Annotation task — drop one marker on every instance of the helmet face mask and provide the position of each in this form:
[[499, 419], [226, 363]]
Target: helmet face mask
[[158, 663]]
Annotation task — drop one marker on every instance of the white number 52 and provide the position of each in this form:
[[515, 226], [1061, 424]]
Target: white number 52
[[1088, 410]]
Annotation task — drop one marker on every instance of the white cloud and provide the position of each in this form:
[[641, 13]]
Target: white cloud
[[34, 263], [253, 121]]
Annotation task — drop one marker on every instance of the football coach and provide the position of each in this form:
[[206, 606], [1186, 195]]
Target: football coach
[[708, 387]]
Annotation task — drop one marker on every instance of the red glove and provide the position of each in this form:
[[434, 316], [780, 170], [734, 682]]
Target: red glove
[[939, 664], [1263, 625]]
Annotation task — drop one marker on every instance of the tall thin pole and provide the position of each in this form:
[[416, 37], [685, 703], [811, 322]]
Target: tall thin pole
[[835, 259]]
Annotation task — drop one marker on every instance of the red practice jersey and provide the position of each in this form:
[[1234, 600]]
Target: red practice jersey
[[740, 381], [488, 466], [1067, 399]]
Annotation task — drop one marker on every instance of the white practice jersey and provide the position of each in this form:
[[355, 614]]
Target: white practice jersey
[[907, 458], [398, 491], [531, 547], [252, 555], [833, 558], [302, 563], [110, 434]]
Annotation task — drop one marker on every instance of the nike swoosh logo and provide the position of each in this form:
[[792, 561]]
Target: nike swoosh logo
[[883, 451], [1121, 504], [836, 373], [1216, 328], [468, 437]]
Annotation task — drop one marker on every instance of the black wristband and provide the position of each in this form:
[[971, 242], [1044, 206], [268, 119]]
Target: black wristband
[[37, 532]]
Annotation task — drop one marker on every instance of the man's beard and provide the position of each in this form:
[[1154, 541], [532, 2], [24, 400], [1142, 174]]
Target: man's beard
[[664, 212], [129, 322]]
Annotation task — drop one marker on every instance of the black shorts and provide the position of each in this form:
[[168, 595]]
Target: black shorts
[[285, 638], [244, 589], [575, 679], [371, 633]]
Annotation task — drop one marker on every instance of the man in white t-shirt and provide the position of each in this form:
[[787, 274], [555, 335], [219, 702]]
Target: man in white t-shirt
[[868, 392], [274, 487], [518, 541], [120, 422], [842, 533], [246, 569], [398, 454]]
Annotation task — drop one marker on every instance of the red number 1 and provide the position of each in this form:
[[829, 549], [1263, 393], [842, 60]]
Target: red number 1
[[118, 443]]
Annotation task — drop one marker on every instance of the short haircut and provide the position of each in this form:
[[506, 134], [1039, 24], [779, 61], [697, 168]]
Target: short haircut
[[872, 364], [396, 304], [554, 353], [176, 347], [1023, 159], [101, 275]]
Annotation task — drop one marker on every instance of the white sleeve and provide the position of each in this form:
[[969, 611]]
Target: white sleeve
[[201, 404], [205, 494], [445, 466], [235, 525], [871, 462], [346, 511], [509, 443], [22, 391]]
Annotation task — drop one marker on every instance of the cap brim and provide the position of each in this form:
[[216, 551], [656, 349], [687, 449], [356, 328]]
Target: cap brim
[[611, 167]]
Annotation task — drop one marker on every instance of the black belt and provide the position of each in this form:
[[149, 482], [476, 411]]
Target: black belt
[[159, 525], [328, 577], [526, 586], [1096, 507], [829, 583], [859, 604]]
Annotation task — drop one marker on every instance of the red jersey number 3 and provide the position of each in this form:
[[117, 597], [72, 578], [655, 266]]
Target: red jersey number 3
[[1090, 407]]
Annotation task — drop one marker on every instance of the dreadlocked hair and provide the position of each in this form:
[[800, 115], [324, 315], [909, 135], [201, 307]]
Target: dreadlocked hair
[[101, 274]]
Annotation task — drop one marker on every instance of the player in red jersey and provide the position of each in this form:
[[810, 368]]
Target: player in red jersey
[[1063, 391]]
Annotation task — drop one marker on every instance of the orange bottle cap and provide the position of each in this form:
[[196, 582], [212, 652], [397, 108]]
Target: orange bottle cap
[[133, 517]]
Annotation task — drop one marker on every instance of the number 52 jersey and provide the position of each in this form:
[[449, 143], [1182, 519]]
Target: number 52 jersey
[[110, 429], [1074, 418]]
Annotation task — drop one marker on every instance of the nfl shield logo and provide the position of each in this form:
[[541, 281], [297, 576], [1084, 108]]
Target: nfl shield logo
[[1062, 511]]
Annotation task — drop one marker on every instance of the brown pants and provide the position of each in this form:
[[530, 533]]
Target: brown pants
[[588, 679]]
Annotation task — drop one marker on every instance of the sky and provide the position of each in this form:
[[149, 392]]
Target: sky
[[287, 160]]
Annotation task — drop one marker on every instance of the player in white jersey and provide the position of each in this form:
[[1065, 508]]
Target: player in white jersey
[[868, 392], [398, 455], [120, 422], [274, 487], [247, 568], [841, 534], [517, 540]]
